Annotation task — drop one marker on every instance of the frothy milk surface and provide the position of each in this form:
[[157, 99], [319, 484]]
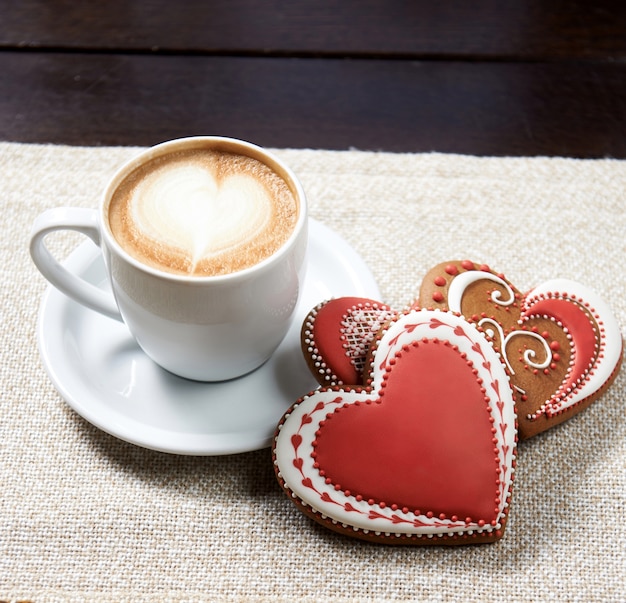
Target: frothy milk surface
[[202, 212]]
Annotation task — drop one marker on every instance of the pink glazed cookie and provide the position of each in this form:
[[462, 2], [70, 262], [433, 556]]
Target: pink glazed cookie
[[424, 453]]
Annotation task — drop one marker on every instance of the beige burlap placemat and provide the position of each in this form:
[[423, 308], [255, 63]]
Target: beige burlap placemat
[[84, 516]]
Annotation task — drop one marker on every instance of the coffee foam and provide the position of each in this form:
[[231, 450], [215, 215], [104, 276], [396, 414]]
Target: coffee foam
[[202, 212]]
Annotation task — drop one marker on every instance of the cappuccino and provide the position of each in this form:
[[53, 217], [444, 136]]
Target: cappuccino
[[202, 212]]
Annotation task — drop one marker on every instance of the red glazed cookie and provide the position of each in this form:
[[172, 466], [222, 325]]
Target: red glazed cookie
[[336, 336], [424, 454], [561, 343]]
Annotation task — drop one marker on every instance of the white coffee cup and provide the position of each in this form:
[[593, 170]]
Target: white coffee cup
[[205, 328]]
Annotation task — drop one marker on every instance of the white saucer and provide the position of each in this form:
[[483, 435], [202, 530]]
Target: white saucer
[[104, 376]]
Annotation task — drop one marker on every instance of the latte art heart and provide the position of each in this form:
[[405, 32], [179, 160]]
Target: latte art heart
[[202, 212], [185, 207]]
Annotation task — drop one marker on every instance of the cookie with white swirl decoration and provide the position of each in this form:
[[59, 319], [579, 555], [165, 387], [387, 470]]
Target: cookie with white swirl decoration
[[560, 341], [422, 453]]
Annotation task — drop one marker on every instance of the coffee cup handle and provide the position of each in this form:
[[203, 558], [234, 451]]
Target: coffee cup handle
[[81, 220]]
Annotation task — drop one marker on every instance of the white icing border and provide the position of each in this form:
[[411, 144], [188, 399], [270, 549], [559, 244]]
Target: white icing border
[[321, 368], [293, 455], [610, 337]]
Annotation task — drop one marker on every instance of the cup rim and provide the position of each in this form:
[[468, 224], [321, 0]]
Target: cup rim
[[248, 148]]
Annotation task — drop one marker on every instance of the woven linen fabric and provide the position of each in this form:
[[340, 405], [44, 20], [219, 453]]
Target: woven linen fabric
[[87, 517]]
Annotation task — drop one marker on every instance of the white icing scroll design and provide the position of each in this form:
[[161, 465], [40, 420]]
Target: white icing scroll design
[[462, 281], [529, 355]]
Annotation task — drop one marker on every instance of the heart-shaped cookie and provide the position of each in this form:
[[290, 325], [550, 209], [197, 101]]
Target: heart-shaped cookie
[[424, 454], [561, 342], [336, 337]]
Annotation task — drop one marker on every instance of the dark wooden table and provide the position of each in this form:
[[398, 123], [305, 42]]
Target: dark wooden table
[[490, 77]]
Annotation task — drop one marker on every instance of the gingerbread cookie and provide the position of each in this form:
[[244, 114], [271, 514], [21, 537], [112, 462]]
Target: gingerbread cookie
[[560, 341], [336, 336], [423, 454]]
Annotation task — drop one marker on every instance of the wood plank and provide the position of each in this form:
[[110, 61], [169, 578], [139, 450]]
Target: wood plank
[[527, 29], [484, 108]]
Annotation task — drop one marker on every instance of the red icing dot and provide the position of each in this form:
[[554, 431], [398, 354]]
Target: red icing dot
[[485, 268], [438, 296], [467, 265], [440, 281], [554, 346], [451, 269]]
